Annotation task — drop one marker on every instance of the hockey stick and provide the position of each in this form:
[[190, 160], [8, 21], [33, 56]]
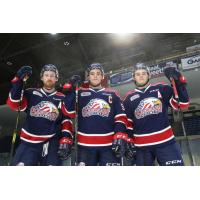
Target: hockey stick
[[76, 125], [17, 121], [182, 122], [122, 157]]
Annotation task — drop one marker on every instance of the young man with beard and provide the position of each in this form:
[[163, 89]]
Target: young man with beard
[[147, 111], [101, 122], [44, 119]]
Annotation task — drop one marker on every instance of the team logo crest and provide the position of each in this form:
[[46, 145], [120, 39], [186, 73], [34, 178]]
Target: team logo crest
[[46, 110], [147, 107], [96, 107]]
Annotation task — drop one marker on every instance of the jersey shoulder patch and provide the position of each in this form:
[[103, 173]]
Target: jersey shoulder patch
[[130, 92]]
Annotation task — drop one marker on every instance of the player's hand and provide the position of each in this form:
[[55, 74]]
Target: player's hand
[[75, 79], [70, 85], [119, 144], [65, 147], [66, 87], [24, 72], [130, 152], [173, 73]]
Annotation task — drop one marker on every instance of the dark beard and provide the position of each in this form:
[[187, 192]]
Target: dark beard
[[49, 86]]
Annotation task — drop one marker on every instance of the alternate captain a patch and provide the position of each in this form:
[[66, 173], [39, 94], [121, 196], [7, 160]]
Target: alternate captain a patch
[[147, 107]]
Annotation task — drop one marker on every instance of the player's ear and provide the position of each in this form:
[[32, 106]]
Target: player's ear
[[87, 77], [133, 76]]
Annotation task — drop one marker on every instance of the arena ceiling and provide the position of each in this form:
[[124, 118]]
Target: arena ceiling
[[72, 52]]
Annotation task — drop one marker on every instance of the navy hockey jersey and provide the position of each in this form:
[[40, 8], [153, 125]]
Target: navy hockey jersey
[[147, 113], [43, 113], [100, 116]]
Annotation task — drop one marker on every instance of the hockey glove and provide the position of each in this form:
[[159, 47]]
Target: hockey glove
[[75, 79], [65, 147], [130, 152], [119, 144], [173, 73], [70, 85], [23, 72], [67, 87]]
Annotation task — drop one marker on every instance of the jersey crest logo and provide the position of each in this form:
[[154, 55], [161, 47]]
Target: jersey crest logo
[[37, 93], [148, 106], [45, 109], [96, 107]]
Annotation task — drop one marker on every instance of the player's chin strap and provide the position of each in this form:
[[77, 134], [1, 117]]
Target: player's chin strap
[[192, 160]]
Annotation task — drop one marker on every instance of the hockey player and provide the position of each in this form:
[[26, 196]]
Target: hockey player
[[147, 111], [101, 122], [38, 138]]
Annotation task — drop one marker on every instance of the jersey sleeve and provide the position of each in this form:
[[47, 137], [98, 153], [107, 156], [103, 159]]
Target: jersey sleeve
[[18, 99], [67, 108], [68, 105], [67, 127], [181, 102], [128, 111], [120, 117]]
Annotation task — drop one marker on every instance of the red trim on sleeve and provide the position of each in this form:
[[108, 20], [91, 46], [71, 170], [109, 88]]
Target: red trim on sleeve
[[122, 118], [15, 105], [67, 125], [15, 79], [175, 104], [67, 113]]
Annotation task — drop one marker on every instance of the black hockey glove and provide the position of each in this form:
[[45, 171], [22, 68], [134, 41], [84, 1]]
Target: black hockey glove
[[75, 79], [173, 73], [23, 72], [65, 147], [70, 85], [119, 144], [130, 152]]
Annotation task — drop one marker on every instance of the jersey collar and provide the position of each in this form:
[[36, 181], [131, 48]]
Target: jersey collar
[[46, 94], [138, 90], [97, 90]]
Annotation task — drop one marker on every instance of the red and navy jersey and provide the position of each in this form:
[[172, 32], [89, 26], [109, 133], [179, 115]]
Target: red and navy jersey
[[147, 112], [100, 115], [44, 117]]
